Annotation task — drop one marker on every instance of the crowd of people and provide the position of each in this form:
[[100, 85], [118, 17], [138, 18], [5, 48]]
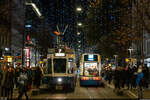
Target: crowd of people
[[127, 77], [22, 78]]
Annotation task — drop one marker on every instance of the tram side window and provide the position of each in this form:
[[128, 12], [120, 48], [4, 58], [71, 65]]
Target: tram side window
[[49, 66], [70, 67]]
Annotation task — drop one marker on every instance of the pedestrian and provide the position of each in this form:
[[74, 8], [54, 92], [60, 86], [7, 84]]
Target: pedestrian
[[117, 78], [145, 71], [22, 80], [133, 77], [128, 77], [4, 76], [17, 74], [139, 81], [109, 75], [29, 76], [139, 76], [123, 77], [10, 82], [1, 76], [38, 74]]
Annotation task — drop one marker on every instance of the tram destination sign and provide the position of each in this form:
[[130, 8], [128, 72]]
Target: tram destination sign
[[59, 54]]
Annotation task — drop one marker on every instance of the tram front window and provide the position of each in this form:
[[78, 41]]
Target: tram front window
[[59, 65]]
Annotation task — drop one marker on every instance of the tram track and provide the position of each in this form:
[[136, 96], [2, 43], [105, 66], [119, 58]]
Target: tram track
[[89, 93]]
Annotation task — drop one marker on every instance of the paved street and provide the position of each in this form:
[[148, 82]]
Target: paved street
[[79, 93], [106, 92]]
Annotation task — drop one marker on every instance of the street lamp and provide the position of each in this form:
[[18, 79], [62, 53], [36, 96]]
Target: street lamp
[[79, 24], [28, 26], [116, 59], [79, 9], [130, 51], [35, 9], [78, 33]]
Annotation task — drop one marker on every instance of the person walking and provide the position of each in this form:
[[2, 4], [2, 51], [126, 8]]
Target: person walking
[[10, 82], [22, 80], [128, 77], [145, 71], [4, 76], [38, 74], [109, 75], [117, 78], [133, 77], [17, 74], [29, 76], [139, 82], [1, 76], [123, 77]]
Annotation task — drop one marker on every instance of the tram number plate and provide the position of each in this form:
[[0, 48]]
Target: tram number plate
[[59, 87]]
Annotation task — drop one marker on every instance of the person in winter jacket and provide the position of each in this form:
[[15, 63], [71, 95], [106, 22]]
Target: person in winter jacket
[[1, 76], [22, 80], [9, 82], [4, 77], [139, 76]]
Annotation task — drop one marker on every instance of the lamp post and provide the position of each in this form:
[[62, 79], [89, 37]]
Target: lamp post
[[116, 59], [130, 51], [35, 9]]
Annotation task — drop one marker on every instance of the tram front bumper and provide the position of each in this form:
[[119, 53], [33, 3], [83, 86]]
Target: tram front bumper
[[60, 82]]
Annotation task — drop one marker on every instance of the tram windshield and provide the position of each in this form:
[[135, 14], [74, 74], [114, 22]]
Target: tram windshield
[[59, 65]]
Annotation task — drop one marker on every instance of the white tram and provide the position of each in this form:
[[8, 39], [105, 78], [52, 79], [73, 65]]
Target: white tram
[[59, 72]]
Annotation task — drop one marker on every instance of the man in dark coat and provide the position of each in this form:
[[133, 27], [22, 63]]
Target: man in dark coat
[[17, 73], [29, 76], [117, 78], [22, 80], [38, 75], [145, 71], [9, 83], [4, 74], [123, 77], [1, 76]]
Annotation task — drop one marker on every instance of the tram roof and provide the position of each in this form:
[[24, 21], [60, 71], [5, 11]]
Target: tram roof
[[63, 50]]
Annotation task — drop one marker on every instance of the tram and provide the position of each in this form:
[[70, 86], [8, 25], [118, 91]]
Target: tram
[[59, 71], [90, 69]]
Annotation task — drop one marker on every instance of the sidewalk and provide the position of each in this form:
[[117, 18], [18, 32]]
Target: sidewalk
[[132, 92]]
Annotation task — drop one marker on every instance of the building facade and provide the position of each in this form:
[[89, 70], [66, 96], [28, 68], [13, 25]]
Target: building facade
[[12, 27]]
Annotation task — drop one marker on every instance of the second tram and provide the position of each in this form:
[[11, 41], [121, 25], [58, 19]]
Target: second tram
[[90, 69]]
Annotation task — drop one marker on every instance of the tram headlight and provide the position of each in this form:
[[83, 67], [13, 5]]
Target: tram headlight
[[59, 79]]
